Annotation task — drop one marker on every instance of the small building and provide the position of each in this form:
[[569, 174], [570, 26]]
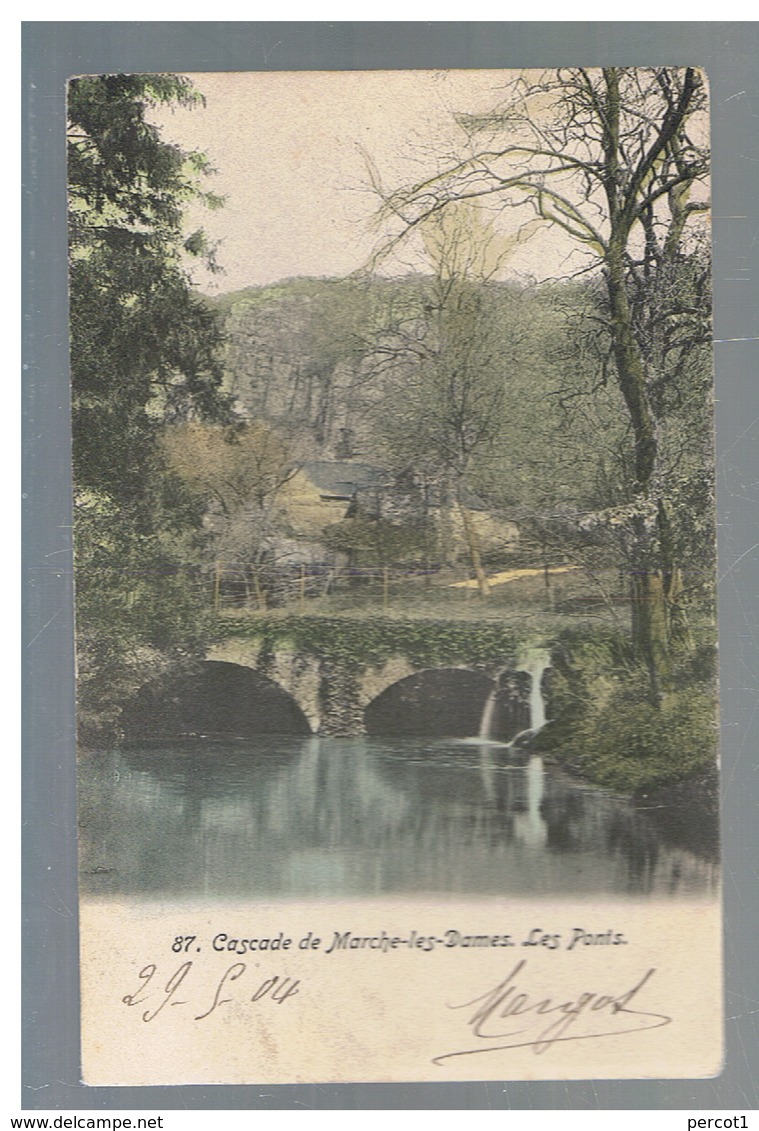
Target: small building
[[323, 493]]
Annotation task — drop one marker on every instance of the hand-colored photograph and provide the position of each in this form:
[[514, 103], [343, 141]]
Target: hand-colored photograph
[[393, 453]]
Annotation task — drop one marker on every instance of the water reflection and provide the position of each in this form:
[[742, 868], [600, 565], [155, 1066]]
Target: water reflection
[[294, 817]]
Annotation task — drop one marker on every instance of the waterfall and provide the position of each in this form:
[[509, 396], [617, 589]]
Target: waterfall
[[486, 721], [535, 665]]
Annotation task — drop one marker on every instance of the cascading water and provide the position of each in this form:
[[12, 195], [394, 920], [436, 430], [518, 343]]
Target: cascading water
[[535, 667], [486, 722], [535, 664]]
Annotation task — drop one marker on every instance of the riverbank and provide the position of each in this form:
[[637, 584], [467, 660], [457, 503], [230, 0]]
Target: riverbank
[[607, 729]]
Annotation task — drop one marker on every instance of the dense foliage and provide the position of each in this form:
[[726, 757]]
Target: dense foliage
[[530, 422], [371, 641], [144, 352], [606, 728]]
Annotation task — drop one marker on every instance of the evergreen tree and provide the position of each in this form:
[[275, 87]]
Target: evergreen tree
[[144, 352]]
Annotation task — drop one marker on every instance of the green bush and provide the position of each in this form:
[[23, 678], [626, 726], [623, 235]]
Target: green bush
[[628, 743], [638, 745], [608, 729]]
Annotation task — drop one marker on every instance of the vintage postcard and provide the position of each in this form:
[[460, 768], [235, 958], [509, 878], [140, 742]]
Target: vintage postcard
[[395, 576]]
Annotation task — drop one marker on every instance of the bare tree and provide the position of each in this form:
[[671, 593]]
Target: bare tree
[[454, 358], [616, 160]]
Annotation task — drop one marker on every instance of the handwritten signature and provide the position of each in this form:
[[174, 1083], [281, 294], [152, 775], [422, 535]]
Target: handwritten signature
[[513, 1018], [152, 988]]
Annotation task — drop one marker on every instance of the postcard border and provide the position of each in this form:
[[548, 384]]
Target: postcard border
[[54, 51]]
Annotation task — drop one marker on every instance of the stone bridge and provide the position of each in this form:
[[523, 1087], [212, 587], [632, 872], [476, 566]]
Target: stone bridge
[[342, 676]]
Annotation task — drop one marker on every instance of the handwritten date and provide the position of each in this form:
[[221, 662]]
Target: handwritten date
[[157, 994]]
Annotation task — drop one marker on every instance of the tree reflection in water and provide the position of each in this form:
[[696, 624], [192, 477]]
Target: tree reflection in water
[[299, 817]]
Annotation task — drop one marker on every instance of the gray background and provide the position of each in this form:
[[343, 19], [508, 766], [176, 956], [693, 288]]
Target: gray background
[[54, 51]]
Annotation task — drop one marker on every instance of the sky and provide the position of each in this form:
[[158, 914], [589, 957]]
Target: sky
[[289, 148], [290, 152]]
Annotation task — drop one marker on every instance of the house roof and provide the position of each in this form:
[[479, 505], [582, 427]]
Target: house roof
[[342, 478]]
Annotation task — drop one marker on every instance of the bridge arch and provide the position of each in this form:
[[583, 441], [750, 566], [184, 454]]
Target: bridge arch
[[434, 701], [214, 699]]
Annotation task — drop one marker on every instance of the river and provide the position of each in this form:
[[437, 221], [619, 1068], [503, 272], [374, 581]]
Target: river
[[298, 818]]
